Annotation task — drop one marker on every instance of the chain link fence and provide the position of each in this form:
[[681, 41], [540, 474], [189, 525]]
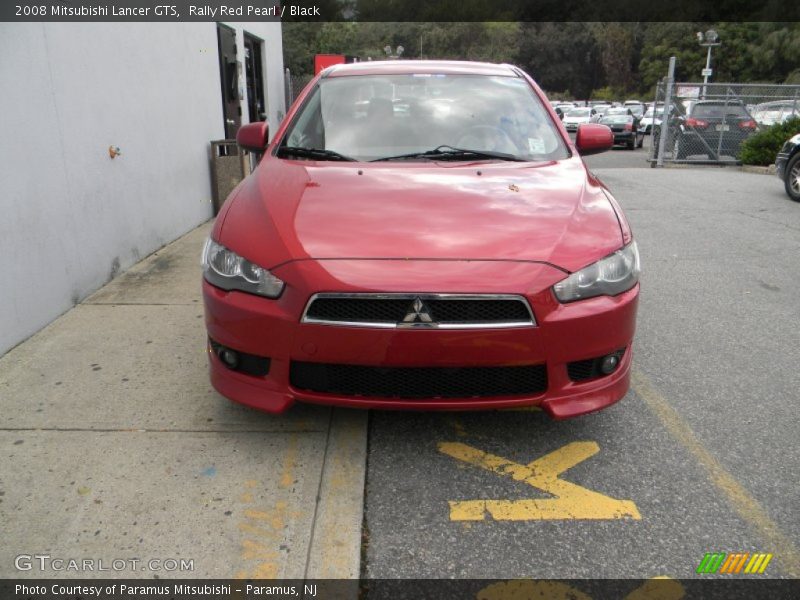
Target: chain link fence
[[293, 85], [707, 123]]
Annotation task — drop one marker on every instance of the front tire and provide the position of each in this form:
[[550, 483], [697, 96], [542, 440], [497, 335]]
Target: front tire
[[792, 178]]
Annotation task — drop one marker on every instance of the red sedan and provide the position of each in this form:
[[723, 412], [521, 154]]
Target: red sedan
[[422, 235]]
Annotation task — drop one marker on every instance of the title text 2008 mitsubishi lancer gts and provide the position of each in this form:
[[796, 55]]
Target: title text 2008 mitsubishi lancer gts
[[422, 235]]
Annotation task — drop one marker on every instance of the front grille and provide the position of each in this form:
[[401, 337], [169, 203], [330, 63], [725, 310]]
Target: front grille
[[418, 382], [431, 310]]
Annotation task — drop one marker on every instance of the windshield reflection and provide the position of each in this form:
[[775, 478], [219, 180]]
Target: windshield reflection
[[374, 117]]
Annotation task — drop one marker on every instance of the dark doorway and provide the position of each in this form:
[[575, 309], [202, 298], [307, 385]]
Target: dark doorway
[[229, 79], [254, 75]]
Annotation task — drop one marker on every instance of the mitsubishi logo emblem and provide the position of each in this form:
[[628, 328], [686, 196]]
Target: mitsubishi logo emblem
[[418, 314]]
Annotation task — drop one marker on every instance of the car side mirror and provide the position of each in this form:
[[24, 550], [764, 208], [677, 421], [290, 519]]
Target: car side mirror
[[593, 138], [253, 136]]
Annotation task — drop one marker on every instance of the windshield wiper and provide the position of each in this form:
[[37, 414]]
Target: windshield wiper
[[318, 153], [445, 152]]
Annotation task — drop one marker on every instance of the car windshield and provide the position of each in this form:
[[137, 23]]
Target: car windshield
[[380, 117], [578, 112], [717, 111]]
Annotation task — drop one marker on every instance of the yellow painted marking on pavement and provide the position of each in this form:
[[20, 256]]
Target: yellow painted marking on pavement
[[289, 460], [746, 505], [571, 501], [527, 590], [458, 425], [255, 551], [263, 529], [658, 588]]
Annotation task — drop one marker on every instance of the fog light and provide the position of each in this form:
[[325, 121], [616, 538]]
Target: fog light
[[609, 363], [230, 358]]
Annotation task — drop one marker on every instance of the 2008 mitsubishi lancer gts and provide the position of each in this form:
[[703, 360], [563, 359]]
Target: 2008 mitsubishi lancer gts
[[422, 235]]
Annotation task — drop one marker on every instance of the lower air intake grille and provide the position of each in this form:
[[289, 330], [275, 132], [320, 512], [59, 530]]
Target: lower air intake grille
[[581, 370], [419, 382]]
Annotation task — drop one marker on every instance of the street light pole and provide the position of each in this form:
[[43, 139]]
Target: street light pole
[[709, 39], [706, 70]]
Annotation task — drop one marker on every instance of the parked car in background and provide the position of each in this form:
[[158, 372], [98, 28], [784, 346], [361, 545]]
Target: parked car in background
[[652, 117], [565, 106], [600, 110], [770, 113], [618, 110], [637, 109], [787, 167], [625, 128], [713, 128], [578, 116]]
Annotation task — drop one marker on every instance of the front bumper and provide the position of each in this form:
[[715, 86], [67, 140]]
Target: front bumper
[[564, 333]]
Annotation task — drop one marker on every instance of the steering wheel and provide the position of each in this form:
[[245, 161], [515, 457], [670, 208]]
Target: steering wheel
[[487, 137]]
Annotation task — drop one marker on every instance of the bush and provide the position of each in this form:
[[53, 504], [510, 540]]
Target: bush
[[762, 147]]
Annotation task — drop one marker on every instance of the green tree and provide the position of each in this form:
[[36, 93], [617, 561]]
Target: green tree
[[561, 56]]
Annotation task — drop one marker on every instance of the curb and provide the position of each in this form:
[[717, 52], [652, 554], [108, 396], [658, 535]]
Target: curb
[[335, 544], [770, 170]]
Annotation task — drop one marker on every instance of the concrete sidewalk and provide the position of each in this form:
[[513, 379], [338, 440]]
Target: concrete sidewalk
[[115, 447]]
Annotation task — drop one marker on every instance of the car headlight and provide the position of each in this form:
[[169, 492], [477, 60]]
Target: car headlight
[[225, 269], [612, 275]]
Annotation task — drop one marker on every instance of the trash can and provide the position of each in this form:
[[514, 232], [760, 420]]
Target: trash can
[[229, 165]]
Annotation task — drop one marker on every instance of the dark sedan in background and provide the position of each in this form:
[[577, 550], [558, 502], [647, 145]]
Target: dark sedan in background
[[712, 128], [625, 128]]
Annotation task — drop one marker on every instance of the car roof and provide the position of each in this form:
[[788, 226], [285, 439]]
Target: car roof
[[404, 67], [731, 102]]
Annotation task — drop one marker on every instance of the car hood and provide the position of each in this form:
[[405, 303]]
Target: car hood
[[551, 212]]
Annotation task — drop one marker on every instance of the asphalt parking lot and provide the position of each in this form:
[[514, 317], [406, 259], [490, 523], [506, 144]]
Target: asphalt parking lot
[[700, 456]]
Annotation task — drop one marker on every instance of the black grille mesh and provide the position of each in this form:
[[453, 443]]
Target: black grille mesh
[[418, 382], [478, 311], [393, 310], [357, 310]]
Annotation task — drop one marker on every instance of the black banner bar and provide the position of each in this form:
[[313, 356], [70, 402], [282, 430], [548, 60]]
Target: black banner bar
[[710, 588], [399, 10]]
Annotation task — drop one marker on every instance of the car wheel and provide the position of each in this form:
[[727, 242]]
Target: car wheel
[[632, 144], [792, 180]]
